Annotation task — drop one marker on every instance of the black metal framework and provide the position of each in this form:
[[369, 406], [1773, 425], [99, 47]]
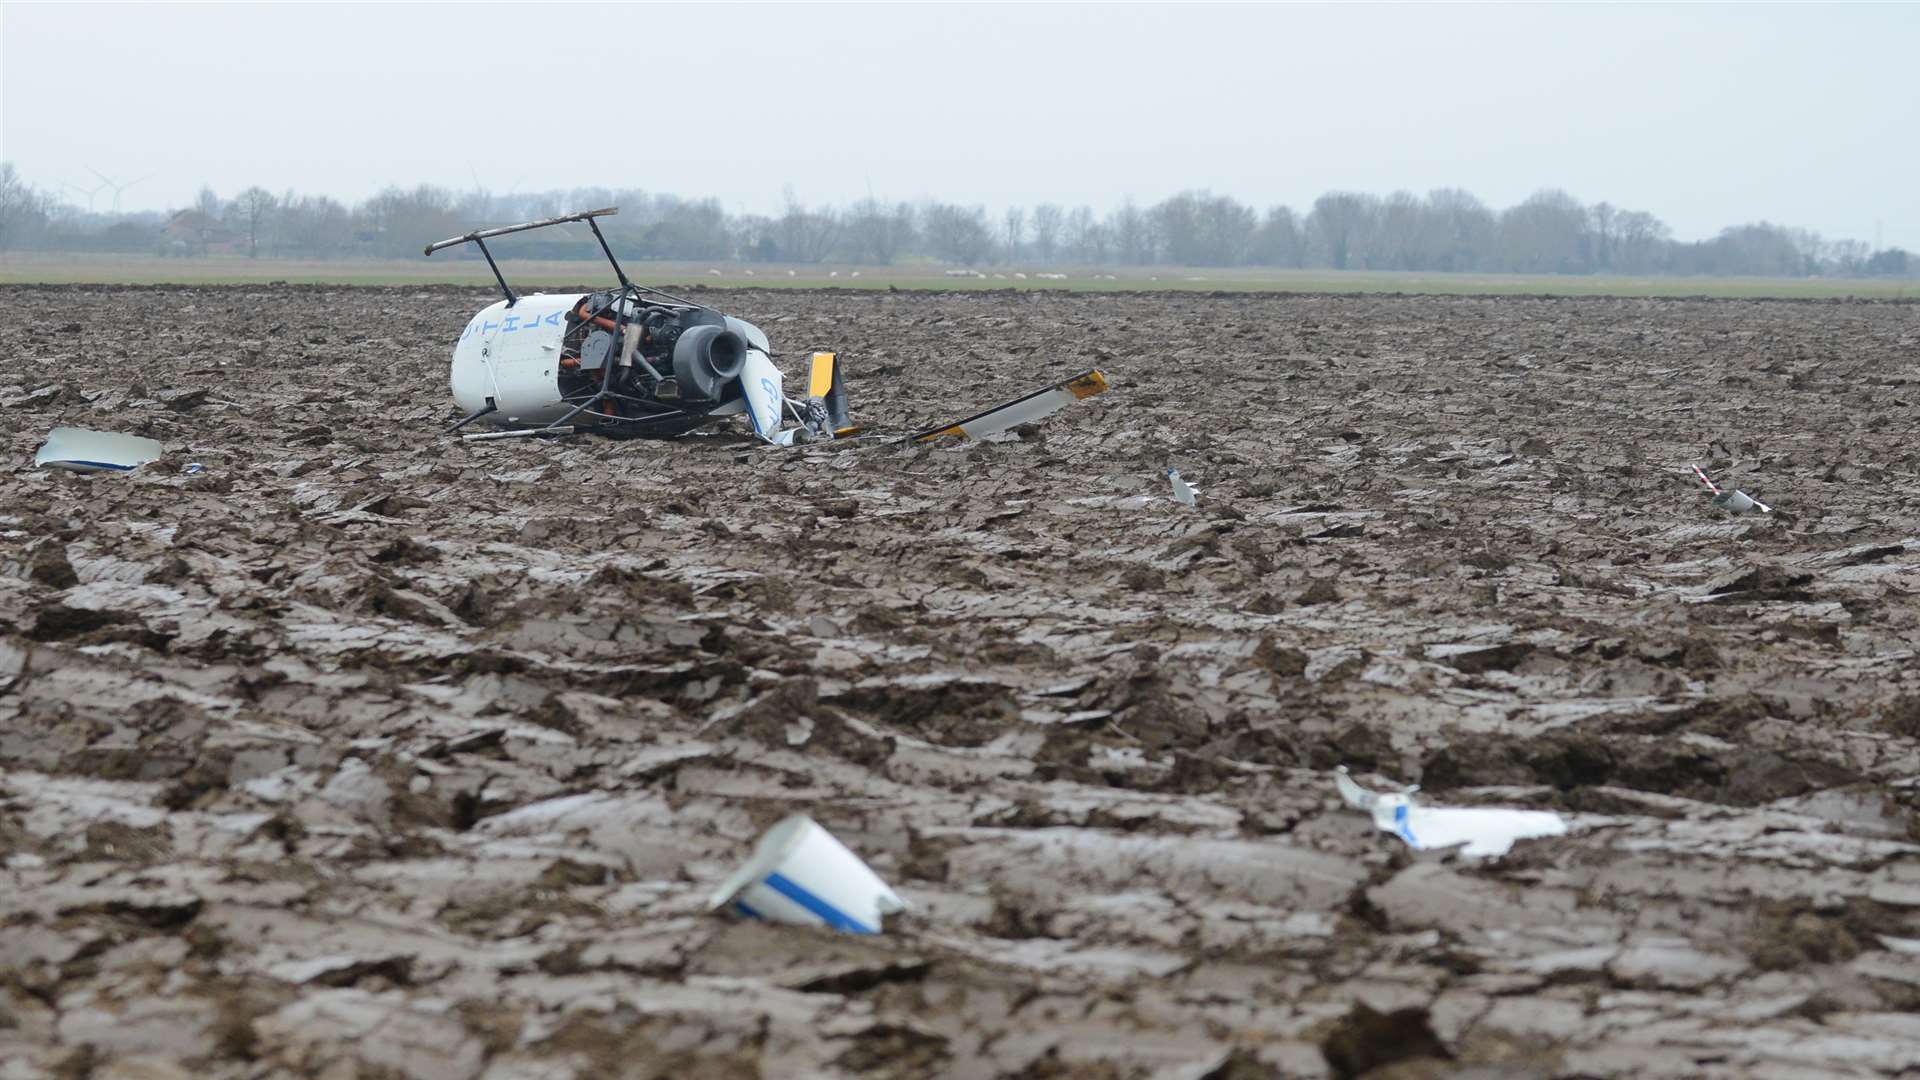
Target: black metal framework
[[617, 272], [480, 236], [495, 267], [485, 410]]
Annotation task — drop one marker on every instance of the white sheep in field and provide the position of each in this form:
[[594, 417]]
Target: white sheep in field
[[1018, 276], [959, 273], [713, 273], [856, 273], [789, 273], [833, 273], [749, 273]]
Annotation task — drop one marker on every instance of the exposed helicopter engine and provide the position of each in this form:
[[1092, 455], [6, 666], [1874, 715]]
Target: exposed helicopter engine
[[627, 361]]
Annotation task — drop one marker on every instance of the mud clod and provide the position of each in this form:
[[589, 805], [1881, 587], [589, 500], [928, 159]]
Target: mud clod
[[1365, 1040], [49, 566]]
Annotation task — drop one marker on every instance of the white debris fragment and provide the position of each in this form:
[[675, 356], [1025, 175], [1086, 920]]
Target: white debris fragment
[[1734, 502], [1183, 492], [82, 450], [1021, 410], [1739, 502], [1482, 830], [801, 875]]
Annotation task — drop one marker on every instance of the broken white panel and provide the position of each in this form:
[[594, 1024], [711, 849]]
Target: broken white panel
[[1739, 502], [1478, 831], [82, 450], [1022, 410], [1183, 492], [800, 874], [760, 385]]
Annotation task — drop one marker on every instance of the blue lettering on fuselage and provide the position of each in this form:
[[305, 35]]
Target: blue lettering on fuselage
[[552, 319], [511, 324]]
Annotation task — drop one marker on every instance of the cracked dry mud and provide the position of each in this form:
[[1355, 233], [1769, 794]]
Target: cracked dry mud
[[370, 752]]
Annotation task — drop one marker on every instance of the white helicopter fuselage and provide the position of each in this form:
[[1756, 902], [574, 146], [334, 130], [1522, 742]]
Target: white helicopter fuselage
[[509, 356]]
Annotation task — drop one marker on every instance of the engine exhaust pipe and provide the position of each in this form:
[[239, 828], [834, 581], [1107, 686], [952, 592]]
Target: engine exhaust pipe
[[706, 358]]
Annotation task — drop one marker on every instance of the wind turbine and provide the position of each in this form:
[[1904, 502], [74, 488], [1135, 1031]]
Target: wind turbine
[[89, 193], [488, 197], [117, 187]]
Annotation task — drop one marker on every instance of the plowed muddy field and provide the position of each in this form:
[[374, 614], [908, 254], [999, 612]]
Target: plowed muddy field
[[364, 751]]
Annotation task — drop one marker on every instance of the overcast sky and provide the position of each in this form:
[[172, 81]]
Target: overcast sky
[[1704, 115]]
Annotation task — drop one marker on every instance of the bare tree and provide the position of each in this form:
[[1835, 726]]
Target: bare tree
[[1084, 236], [1132, 234], [399, 223], [1605, 217], [1460, 229], [21, 207], [806, 235], [878, 233], [697, 229], [1756, 248], [1202, 229], [1547, 234], [1889, 262], [1177, 221], [1279, 241], [1849, 256], [958, 233], [1047, 222], [1639, 238], [1402, 220], [477, 205], [1016, 232], [314, 225], [251, 210], [1341, 223], [753, 237]]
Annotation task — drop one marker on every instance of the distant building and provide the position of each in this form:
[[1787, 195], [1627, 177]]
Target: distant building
[[196, 232]]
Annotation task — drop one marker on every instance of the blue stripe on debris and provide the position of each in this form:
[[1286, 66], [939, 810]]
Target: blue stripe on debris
[[106, 465], [828, 914], [1400, 820]]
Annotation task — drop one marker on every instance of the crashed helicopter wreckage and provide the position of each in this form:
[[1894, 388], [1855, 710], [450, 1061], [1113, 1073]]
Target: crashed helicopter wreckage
[[638, 361]]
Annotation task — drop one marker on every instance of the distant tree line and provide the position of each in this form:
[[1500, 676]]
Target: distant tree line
[[1446, 230]]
